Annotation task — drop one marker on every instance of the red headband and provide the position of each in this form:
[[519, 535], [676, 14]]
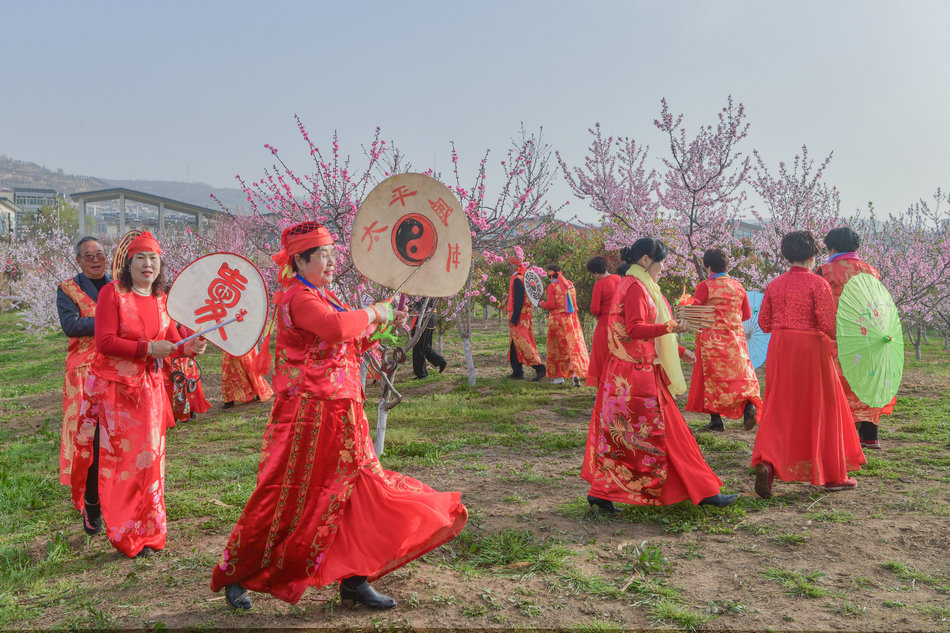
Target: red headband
[[299, 238], [144, 243]]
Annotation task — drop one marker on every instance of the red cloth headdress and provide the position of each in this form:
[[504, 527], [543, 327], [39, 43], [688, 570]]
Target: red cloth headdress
[[517, 262], [144, 243], [297, 239]]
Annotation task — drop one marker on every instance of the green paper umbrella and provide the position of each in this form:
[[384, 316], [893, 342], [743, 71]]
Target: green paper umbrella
[[870, 340]]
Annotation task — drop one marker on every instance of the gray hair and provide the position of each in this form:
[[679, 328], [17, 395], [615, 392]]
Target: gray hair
[[82, 241]]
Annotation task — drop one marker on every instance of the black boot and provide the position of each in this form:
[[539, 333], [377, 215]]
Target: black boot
[[540, 372], [749, 416], [91, 518], [237, 596], [145, 552], [516, 375], [718, 499], [228, 404], [356, 589], [606, 505], [867, 433], [715, 423]]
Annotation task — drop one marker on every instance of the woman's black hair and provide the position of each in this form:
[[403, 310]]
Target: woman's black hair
[[125, 277], [799, 246], [623, 268], [305, 255], [843, 239], [655, 249], [716, 259], [597, 265], [554, 268]]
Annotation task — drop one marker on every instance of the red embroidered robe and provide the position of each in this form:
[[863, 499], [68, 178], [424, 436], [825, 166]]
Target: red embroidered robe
[[241, 380], [125, 397], [603, 295], [79, 354], [566, 348], [324, 509], [723, 379], [522, 335], [639, 448], [837, 273]]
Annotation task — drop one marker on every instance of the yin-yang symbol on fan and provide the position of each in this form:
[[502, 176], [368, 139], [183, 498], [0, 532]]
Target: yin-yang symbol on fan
[[414, 239]]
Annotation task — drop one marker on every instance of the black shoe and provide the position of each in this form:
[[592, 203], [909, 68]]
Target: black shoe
[[715, 423], [604, 504], [145, 552], [442, 366], [718, 499], [237, 596], [193, 415], [228, 404], [256, 399], [365, 594], [417, 377], [749, 416], [91, 518], [516, 376], [540, 372]]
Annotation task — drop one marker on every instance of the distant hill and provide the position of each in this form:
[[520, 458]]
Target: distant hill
[[18, 173]]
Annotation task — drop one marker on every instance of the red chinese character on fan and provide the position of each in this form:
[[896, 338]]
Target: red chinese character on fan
[[453, 258], [441, 209], [223, 292], [372, 233], [400, 194]]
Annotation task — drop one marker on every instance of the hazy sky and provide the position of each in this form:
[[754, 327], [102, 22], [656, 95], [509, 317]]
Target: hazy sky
[[193, 89]]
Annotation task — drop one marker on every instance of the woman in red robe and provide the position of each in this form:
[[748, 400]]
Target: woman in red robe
[[522, 350], [566, 348], [844, 264], [241, 381], [723, 381], [639, 448], [324, 510], [605, 287], [119, 471], [805, 429]]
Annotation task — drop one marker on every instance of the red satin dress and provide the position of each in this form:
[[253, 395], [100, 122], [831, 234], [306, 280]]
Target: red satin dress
[[241, 380], [639, 448], [723, 379], [324, 509], [125, 397], [603, 296], [79, 355], [805, 430], [522, 335], [837, 273], [566, 348]]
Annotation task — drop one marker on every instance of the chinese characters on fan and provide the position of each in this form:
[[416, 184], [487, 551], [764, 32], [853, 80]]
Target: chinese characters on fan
[[224, 292]]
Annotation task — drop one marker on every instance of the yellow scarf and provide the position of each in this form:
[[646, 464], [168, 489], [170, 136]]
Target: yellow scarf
[[666, 346]]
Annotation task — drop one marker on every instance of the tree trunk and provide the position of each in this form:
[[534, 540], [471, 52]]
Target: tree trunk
[[917, 339], [382, 413], [485, 312], [464, 322], [926, 338], [946, 341]]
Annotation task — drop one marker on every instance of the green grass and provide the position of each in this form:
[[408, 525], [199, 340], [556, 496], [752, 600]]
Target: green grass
[[521, 563], [802, 584], [910, 573], [508, 552], [29, 363]]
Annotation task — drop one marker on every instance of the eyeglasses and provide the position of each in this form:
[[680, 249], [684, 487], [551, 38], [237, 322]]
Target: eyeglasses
[[91, 257]]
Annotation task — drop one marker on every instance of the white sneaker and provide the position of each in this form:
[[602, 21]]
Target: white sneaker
[[557, 381]]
